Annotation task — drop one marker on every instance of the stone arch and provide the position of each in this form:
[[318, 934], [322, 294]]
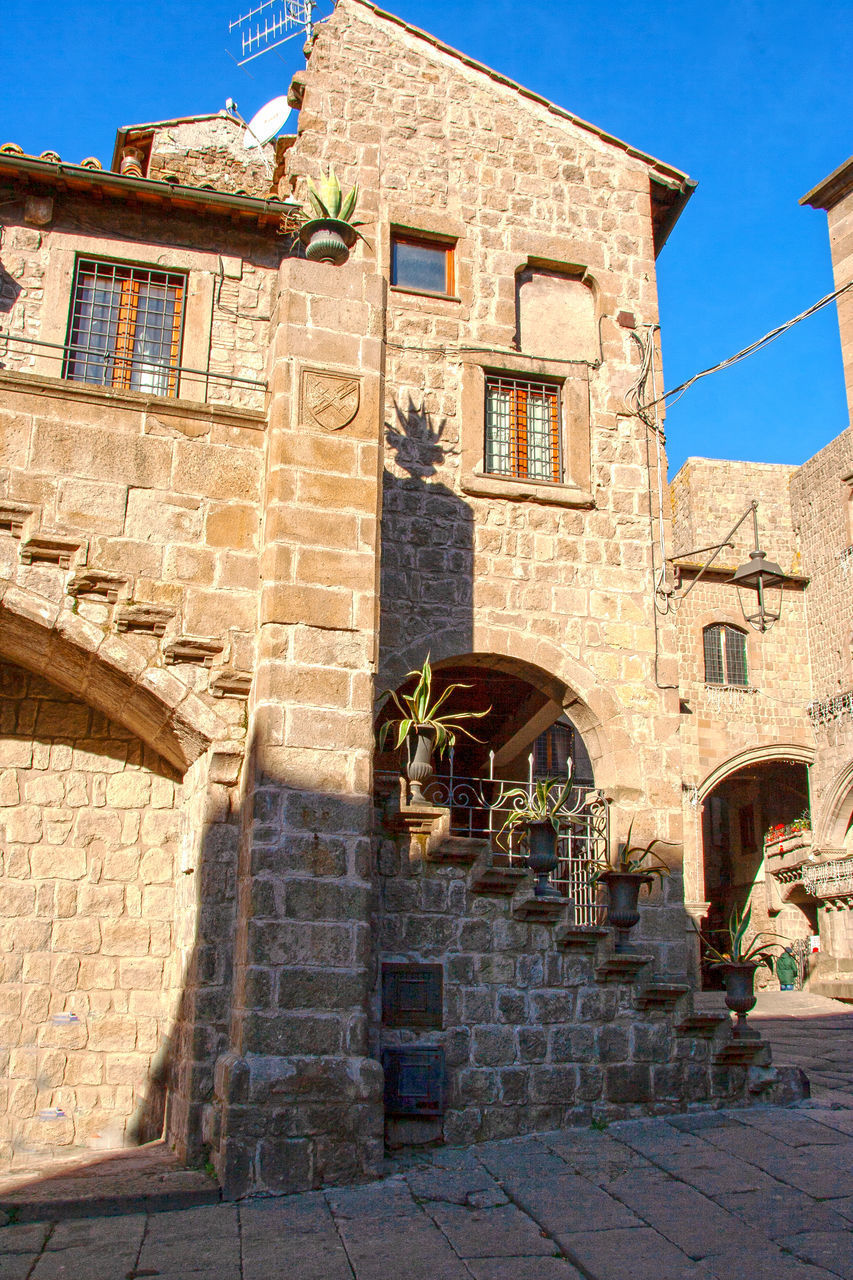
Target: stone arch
[[567, 680], [755, 755], [836, 811], [104, 670]]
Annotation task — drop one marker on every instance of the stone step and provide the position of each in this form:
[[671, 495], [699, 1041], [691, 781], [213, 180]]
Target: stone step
[[147, 1179], [701, 1026], [660, 995], [740, 1051], [500, 878], [570, 937], [462, 851], [526, 906], [622, 967]]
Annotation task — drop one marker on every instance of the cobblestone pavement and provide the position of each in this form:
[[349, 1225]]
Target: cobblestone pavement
[[758, 1194]]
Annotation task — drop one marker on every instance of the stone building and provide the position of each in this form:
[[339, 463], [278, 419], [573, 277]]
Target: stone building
[[767, 751], [242, 494]]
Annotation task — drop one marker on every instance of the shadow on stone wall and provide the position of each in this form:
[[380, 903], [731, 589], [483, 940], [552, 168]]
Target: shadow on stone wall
[[427, 558]]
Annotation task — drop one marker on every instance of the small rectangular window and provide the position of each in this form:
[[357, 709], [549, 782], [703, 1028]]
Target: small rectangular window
[[125, 327], [523, 429], [423, 265]]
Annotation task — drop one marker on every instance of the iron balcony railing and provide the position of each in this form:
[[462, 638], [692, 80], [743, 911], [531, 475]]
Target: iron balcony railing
[[17, 357], [478, 808]]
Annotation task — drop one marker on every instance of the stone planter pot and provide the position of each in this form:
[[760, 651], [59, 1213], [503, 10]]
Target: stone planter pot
[[623, 893], [328, 240], [542, 857], [420, 769], [739, 981]]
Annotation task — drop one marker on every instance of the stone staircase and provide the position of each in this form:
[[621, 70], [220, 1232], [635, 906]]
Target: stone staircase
[[545, 1023]]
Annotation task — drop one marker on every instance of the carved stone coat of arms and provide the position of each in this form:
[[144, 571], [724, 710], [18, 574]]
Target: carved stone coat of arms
[[329, 400]]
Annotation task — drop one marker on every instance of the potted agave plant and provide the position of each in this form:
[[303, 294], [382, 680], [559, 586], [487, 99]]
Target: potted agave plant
[[738, 964], [329, 236], [425, 730], [634, 867], [537, 813]]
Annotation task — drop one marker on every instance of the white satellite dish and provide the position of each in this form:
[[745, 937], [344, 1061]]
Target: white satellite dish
[[266, 123]]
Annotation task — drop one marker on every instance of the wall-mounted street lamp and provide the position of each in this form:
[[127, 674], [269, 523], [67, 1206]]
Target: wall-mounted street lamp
[[759, 582]]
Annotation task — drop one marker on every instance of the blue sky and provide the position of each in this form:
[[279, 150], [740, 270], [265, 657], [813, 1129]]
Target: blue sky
[[753, 98]]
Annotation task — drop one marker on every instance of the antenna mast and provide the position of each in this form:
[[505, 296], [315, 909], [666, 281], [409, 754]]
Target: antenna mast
[[271, 24]]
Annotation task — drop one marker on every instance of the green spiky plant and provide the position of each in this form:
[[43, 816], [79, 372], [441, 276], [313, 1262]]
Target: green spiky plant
[[328, 201], [740, 951], [418, 710], [635, 859], [542, 804]]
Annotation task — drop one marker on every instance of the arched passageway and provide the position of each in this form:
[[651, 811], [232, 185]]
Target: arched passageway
[[740, 815]]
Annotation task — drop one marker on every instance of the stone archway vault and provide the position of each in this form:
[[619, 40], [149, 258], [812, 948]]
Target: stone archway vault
[[592, 708], [104, 670], [755, 755]]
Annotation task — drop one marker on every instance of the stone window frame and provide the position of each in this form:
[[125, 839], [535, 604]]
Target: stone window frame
[[419, 238], [574, 490], [200, 268], [439, 229]]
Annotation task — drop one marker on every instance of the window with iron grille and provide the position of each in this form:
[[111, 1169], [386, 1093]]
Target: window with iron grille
[[555, 748], [125, 327], [523, 429], [725, 655]]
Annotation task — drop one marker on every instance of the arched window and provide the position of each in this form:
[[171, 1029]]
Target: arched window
[[725, 655]]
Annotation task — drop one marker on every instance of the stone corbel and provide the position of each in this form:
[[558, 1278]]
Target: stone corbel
[[14, 516], [97, 584], [200, 649], [230, 683], [58, 549], [152, 618]]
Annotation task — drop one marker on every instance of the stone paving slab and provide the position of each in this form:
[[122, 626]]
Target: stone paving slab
[[830, 1249], [701, 1196]]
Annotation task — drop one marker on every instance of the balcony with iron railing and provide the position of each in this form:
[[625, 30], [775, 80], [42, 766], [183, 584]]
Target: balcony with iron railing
[[79, 367], [476, 808]]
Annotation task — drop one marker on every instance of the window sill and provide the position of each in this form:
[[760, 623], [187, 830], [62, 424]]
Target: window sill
[[165, 406], [737, 688], [515, 489], [405, 292]]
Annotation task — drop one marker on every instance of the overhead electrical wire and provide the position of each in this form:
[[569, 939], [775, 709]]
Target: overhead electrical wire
[[679, 391]]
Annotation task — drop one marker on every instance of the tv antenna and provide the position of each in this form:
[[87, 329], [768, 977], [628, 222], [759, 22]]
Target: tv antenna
[[271, 24]]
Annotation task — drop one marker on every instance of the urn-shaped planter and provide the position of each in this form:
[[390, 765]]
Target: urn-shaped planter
[[328, 240], [739, 981], [419, 770], [541, 838], [623, 893]]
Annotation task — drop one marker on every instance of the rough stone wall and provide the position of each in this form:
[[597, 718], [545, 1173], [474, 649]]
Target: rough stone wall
[[709, 494], [821, 510], [162, 504], [210, 153], [90, 825], [439, 146], [202, 973], [821, 495], [840, 220]]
